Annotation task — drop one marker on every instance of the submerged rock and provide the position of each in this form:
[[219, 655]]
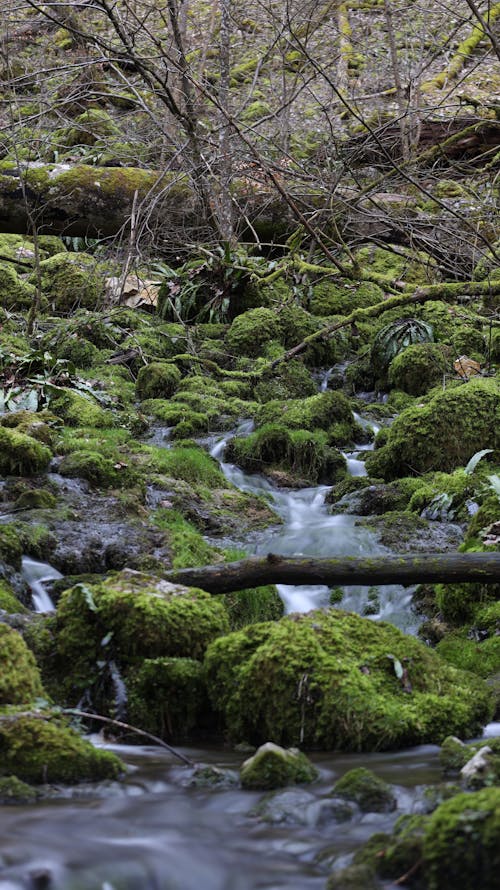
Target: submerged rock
[[331, 680], [274, 767]]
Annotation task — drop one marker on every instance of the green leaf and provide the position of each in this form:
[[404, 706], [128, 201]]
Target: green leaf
[[471, 466]]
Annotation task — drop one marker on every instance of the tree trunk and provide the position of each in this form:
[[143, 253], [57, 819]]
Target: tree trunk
[[420, 569]]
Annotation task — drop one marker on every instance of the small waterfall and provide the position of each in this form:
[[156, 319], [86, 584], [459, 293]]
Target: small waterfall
[[309, 530], [36, 574]]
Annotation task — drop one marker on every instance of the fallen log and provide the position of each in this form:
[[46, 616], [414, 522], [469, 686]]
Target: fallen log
[[424, 568]]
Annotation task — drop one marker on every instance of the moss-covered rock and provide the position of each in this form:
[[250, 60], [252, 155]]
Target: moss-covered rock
[[157, 380], [442, 434], [11, 549], [8, 599], [167, 697], [21, 455], [251, 330], [89, 465], [328, 679], [370, 792], [15, 293], [19, 678], [274, 767], [13, 791], [462, 842], [329, 411], [35, 499], [342, 297], [71, 280], [418, 367], [252, 605], [353, 877], [304, 454], [37, 750], [127, 618], [79, 411]]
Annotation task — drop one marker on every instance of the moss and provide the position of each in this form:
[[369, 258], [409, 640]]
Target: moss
[[301, 452], [187, 545], [79, 411], [88, 127], [39, 425], [72, 280], [274, 767], [323, 411], [453, 755], [37, 540], [157, 380], [188, 463], [140, 616], [327, 679], [418, 367], [19, 678], [340, 297], [21, 455], [252, 605], [291, 381], [250, 331], [38, 751], [79, 351], [89, 465], [462, 842], [443, 495], [353, 877], [465, 418], [11, 549], [8, 599], [482, 657], [15, 294], [35, 499], [13, 791], [391, 856], [371, 793], [167, 697]]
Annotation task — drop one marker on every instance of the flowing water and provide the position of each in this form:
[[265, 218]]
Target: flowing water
[[308, 529], [156, 830]]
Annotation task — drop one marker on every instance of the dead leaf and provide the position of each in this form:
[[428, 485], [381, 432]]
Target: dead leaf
[[466, 367]]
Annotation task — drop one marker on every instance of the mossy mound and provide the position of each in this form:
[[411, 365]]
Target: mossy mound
[[253, 605], [71, 280], [8, 600], [35, 499], [125, 619], [274, 767], [167, 697], [462, 842], [77, 410], [19, 678], [37, 750], [442, 434], [89, 465], [292, 380], [342, 297], [418, 367], [37, 424], [370, 792], [11, 549], [157, 380], [329, 411], [13, 791], [252, 330], [21, 455], [304, 454], [329, 679], [15, 293]]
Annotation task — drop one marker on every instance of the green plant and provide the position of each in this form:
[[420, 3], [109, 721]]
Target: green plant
[[395, 337]]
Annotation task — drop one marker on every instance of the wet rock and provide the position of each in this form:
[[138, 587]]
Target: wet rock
[[406, 532], [370, 792], [274, 767], [299, 807]]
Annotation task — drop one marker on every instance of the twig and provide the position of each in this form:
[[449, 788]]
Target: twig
[[127, 726]]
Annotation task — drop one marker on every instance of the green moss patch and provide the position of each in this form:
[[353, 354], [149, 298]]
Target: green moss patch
[[329, 679]]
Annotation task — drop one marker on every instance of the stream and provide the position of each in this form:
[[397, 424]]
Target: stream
[[157, 829]]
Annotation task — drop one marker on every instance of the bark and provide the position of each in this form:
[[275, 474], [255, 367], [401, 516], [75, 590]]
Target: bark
[[408, 570]]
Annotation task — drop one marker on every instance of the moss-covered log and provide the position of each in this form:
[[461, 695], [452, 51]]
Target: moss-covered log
[[273, 569]]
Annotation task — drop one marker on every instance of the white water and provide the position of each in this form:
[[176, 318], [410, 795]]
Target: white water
[[37, 574], [309, 530]]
